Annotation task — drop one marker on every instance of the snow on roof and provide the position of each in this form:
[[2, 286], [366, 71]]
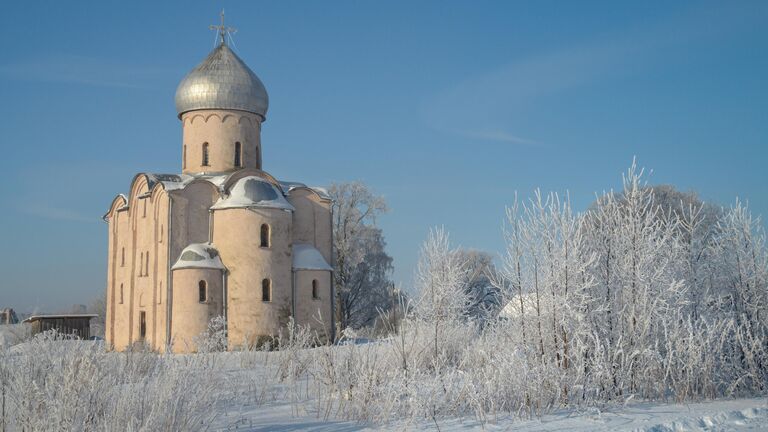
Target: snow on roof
[[59, 316], [199, 255], [306, 257], [288, 186], [180, 181], [323, 192], [253, 191]]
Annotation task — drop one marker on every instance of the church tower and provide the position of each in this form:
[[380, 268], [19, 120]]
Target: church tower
[[221, 104]]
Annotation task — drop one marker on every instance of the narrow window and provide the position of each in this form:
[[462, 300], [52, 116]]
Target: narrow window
[[238, 154], [142, 324], [160, 294], [141, 265], [266, 290], [264, 235], [315, 290], [121, 293], [202, 291], [161, 234], [184, 157], [146, 265], [205, 154], [144, 211], [122, 257]]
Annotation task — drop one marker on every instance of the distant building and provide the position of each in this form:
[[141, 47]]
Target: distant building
[[8, 316], [74, 324], [224, 237]]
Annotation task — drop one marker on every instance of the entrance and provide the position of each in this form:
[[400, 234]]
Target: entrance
[[142, 324]]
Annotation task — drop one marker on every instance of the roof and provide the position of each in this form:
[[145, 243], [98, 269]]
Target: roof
[[287, 186], [241, 195], [59, 316], [307, 257], [253, 191], [199, 255], [222, 81]]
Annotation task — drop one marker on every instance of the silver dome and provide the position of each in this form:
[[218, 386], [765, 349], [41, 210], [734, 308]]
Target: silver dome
[[222, 81]]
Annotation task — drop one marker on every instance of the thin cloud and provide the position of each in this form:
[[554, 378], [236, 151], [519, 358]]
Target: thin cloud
[[488, 103]]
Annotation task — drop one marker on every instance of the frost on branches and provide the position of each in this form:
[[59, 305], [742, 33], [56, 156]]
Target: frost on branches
[[648, 295]]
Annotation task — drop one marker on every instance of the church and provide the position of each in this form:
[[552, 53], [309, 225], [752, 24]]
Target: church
[[224, 238]]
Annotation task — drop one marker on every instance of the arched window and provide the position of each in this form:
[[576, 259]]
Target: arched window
[[121, 293], [202, 289], [266, 290], [264, 235], [205, 154], [184, 157], [315, 290], [238, 154]]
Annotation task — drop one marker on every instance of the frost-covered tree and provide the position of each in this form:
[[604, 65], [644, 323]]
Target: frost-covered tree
[[442, 277], [362, 267], [638, 259]]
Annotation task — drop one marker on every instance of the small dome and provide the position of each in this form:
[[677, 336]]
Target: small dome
[[222, 81], [199, 255], [253, 191]]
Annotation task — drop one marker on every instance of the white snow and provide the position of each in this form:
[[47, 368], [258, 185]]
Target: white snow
[[253, 191], [199, 255], [721, 415], [306, 257]]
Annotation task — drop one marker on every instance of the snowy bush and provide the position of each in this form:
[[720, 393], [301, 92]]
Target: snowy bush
[[55, 382]]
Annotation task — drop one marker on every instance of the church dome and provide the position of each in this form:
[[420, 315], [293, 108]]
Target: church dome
[[222, 81]]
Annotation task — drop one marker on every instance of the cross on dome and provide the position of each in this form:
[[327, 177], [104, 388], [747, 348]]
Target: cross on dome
[[223, 30]]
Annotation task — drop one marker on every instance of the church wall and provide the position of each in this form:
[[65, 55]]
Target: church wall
[[191, 215], [149, 265], [120, 279], [236, 235], [221, 129], [112, 257], [160, 271], [138, 263], [312, 221], [309, 310], [190, 315]]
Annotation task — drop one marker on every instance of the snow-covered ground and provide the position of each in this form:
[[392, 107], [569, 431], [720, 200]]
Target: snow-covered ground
[[723, 415]]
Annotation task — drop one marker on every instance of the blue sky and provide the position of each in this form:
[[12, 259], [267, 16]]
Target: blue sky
[[445, 108]]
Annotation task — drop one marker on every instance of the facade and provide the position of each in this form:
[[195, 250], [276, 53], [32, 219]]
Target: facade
[[224, 237]]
